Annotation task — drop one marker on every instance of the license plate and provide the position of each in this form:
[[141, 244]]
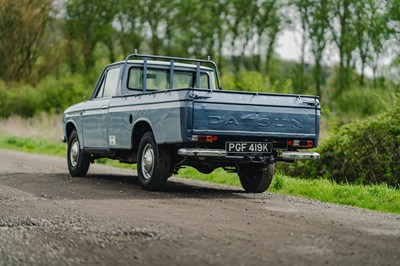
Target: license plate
[[248, 147]]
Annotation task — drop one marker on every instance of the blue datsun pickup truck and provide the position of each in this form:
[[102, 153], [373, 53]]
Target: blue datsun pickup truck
[[166, 112]]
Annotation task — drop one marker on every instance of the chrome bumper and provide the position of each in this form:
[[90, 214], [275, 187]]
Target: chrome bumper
[[286, 155], [194, 152], [298, 155]]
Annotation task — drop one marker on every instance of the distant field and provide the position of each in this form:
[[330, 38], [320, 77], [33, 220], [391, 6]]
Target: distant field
[[43, 126], [378, 197]]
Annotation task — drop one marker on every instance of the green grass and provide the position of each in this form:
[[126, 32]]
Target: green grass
[[58, 149], [377, 197], [373, 197], [33, 145]]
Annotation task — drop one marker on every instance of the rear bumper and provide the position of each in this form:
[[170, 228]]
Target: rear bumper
[[217, 153], [298, 155], [197, 152]]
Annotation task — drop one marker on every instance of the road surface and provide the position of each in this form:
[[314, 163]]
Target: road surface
[[49, 218]]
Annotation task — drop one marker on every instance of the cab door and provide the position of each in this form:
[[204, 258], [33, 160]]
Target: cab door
[[94, 116]]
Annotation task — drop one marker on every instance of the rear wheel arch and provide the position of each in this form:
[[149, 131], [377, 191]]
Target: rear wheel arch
[[139, 129]]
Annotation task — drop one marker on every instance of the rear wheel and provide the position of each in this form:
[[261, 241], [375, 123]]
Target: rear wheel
[[255, 178], [78, 161], [154, 163]]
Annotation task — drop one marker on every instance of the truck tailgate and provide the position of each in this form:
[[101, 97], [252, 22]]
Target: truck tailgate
[[233, 113]]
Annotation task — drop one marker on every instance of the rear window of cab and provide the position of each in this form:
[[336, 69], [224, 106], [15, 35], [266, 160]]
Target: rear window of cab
[[158, 79]]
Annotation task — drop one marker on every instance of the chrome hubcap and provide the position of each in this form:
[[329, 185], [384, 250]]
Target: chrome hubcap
[[74, 152], [148, 161]]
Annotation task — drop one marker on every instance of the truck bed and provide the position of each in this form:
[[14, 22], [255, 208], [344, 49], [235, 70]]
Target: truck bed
[[232, 113]]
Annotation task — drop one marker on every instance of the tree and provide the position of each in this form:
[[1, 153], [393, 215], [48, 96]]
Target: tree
[[272, 33], [393, 13], [318, 26], [221, 21], [154, 14], [90, 22], [130, 30], [22, 28], [378, 33], [341, 28], [268, 23], [173, 22], [362, 11], [393, 27], [303, 9], [371, 26], [197, 33], [240, 11]]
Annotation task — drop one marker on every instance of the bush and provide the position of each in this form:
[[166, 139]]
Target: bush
[[57, 95], [360, 103], [255, 82], [22, 101], [51, 95], [366, 152]]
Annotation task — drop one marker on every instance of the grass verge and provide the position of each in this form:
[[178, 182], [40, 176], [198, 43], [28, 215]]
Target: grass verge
[[377, 197], [33, 145]]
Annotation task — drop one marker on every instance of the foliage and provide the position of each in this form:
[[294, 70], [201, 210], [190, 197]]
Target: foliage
[[55, 95], [240, 35], [364, 152], [315, 17], [255, 82], [51, 95], [361, 103], [90, 22], [22, 28]]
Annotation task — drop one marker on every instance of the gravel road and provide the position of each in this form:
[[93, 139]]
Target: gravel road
[[49, 218]]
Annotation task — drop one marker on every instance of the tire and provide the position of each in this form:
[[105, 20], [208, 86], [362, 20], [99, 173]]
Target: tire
[[255, 179], [78, 161], [154, 163]]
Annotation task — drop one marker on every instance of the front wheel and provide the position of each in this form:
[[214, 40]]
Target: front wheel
[[78, 161], [154, 163], [255, 178]]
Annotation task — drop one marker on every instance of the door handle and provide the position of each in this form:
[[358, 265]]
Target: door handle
[[104, 107]]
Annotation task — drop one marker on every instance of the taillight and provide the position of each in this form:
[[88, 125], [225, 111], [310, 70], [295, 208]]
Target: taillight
[[310, 143], [301, 143], [204, 138]]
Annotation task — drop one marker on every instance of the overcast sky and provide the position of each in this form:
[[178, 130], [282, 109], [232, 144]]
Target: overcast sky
[[288, 47]]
